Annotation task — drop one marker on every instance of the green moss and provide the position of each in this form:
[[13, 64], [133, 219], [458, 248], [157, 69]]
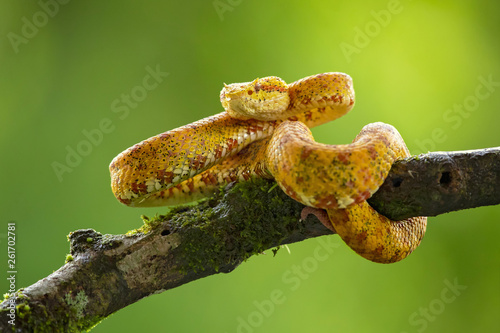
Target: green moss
[[90, 239], [23, 309], [69, 258], [148, 225], [249, 219], [21, 305], [37, 318]]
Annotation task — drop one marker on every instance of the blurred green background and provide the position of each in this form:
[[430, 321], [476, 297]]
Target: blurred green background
[[432, 70]]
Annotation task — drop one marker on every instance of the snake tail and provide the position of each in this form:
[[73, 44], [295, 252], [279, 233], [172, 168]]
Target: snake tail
[[374, 236]]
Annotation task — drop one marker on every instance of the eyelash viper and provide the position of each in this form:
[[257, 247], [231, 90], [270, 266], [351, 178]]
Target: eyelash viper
[[264, 131]]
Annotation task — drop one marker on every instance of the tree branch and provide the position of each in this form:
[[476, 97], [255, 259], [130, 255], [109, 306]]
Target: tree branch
[[440, 182], [109, 272]]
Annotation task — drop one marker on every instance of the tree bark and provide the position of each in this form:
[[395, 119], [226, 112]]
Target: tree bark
[[105, 273], [440, 182]]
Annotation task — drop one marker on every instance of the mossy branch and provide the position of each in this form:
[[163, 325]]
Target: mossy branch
[[105, 273], [440, 182]]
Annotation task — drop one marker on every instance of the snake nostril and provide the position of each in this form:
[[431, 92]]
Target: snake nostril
[[445, 178], [396, 182]]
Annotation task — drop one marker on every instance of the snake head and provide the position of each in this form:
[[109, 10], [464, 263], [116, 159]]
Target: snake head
[[262, 99]]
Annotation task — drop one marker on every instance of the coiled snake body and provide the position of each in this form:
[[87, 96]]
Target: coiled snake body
[[265, 132]]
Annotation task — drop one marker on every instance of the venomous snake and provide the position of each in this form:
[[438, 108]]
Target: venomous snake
[[264, 131]]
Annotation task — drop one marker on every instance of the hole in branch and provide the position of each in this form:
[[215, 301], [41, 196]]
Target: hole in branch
[[396, 182], [445, 178], [165, 232]]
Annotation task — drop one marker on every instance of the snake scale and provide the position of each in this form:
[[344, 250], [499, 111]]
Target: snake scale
[[264, 132]]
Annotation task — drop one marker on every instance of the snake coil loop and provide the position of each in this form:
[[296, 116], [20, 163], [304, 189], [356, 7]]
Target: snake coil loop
[[265, 130]]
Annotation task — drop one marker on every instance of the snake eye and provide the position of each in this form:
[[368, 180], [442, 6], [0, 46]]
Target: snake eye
[[250, 92]]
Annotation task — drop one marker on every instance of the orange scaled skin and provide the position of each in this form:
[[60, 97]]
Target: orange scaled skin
[[176, 166], [192, 161]]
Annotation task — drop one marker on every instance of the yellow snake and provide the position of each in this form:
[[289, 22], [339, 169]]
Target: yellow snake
[[264, 131]]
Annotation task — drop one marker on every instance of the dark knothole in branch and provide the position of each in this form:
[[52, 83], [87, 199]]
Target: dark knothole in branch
[[396, 182], [445, 178]]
